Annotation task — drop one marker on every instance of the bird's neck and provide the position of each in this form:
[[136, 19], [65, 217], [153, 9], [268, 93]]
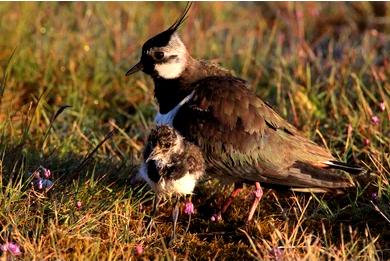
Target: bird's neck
[[169, 92]]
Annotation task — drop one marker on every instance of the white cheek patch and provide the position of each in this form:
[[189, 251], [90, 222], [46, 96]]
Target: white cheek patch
[[173, 68], [170, 70]]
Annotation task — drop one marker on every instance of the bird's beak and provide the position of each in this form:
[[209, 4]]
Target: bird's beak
[[138, 67], [152, 156]]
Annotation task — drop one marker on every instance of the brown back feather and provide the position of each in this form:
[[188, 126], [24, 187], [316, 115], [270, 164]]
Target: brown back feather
[[245, 138]]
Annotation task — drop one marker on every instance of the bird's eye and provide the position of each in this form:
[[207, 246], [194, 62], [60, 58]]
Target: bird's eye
[[158, 55], [166, 145]]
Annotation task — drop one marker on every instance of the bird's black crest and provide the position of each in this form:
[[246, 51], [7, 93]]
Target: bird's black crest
[[162, 39], [181, 19]]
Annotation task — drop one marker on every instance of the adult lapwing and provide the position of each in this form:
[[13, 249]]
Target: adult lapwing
[[242, 138]]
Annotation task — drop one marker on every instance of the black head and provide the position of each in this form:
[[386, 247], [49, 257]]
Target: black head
[[164, 55]]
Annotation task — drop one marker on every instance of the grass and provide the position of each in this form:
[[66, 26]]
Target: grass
[[323, 66]]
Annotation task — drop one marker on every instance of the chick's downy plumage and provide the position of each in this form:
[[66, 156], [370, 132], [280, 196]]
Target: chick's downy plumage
[[171, 164]]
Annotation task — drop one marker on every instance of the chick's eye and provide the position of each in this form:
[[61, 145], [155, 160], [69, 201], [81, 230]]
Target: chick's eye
[[158, 55], [166, 145]]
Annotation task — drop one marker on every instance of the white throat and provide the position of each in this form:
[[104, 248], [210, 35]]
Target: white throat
[[167, 118]]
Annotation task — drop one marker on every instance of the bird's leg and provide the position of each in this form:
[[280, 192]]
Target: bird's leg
[[157, 200], [237, 188], [175, 215], [258, 195], [156, 204]]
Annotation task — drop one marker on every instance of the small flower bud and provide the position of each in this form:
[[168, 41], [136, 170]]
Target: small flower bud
[[139, 250], [40, 184], [374, 196], [189, 208], [382, 106], [47, 173], [375, 120], [11, 248]]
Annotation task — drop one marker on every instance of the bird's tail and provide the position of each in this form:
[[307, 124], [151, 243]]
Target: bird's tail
[[326, 175]]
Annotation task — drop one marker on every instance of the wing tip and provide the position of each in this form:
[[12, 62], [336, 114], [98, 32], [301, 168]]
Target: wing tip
[[352, 169]]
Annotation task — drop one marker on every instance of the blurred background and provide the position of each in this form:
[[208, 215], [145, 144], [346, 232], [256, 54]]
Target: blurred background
[[290, 52], [323, 66]]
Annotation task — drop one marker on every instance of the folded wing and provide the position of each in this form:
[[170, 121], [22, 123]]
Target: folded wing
[[241, 136]]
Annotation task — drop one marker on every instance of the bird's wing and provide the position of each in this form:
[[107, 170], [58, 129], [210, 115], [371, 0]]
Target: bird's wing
[[243, 137]]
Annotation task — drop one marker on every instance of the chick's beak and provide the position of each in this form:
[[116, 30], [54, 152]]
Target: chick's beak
[[152, 155], [138, 67]]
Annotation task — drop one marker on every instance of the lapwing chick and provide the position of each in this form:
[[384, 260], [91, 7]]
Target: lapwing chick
[[242, 138], [172, 166]]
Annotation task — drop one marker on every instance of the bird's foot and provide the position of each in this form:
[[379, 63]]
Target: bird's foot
[[237, 189]]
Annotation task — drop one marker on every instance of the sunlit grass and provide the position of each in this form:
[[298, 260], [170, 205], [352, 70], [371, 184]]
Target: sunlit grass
[[324, 67]]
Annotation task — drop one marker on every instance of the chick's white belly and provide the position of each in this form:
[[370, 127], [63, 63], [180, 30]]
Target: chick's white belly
[[182, 186], [164, 186]]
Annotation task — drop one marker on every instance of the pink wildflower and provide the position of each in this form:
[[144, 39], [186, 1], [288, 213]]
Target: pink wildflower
[[366, 142], [216, 218], [276, 253], [189, 208], [43, 184], [375, 120], [374, 196], [12, 248], [382, 106], [78, 205], [47, 173], [40, 184], [139, 250]]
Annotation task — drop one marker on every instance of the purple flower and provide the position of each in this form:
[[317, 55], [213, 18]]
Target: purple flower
[[12, 248], [276, 253], [375, 120], [139, 250], [374, 196], [40, 184], [366, 142], [216, 218], [47, 173], [78, 205], [382, 106], [189, 208]]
